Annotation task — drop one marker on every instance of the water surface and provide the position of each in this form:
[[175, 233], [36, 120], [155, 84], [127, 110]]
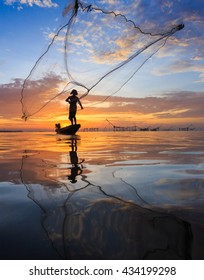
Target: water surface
[[104, 195]]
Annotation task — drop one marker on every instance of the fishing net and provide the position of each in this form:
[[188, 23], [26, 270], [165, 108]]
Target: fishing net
[[98, 49]]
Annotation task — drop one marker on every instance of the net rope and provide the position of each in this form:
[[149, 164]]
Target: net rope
[[78, 14]]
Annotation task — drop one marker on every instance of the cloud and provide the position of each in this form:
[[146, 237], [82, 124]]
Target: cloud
[[88, 39], [173, 108], [172, 105], [197, 58], [182, 66], [110, 2], [36, 93], [190, 103], [31, 3], [52, 35]]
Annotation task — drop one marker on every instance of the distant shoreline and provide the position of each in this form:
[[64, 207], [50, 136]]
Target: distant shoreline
[[11, 131]]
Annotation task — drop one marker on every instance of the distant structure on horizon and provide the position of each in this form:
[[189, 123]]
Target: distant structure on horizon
[[11, 130], [137, 128], [132, 128], [88, 129], [122, 128], [187, 128]]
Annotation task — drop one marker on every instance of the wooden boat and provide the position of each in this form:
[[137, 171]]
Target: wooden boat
[[67, 130]]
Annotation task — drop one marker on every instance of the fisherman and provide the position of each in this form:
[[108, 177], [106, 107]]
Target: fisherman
[[73, 100]]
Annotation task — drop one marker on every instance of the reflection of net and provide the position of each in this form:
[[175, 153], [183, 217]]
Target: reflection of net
[[96, 50], [88, 222], [101, 215], [109, 229]]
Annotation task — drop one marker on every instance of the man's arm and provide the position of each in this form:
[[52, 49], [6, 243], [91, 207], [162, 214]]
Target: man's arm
[[67, 100], [80, 103]]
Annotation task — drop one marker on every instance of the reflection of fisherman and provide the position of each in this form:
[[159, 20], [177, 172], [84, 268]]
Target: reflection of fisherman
[[75, 169], [73, 100]]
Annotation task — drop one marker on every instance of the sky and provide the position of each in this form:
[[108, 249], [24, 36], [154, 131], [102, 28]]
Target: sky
[[167, 90]]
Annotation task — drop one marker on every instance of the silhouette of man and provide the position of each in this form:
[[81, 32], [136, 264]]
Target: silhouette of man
[[73, 100], [75, 169]]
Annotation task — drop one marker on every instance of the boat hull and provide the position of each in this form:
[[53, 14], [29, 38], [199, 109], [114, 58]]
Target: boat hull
[[67, 130]]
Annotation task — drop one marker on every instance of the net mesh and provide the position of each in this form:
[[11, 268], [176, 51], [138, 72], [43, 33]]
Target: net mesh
[[97, 49]]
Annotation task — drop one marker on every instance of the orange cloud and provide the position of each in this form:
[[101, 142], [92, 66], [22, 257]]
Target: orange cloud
[[178, 108]]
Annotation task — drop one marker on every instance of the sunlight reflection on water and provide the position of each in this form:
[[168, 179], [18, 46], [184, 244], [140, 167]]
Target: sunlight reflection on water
[[82, 192]]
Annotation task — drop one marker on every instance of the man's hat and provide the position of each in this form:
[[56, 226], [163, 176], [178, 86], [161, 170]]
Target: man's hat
[[74, 92]]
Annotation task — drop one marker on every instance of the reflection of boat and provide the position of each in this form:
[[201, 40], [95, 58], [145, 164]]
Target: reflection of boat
[[68, 130]]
